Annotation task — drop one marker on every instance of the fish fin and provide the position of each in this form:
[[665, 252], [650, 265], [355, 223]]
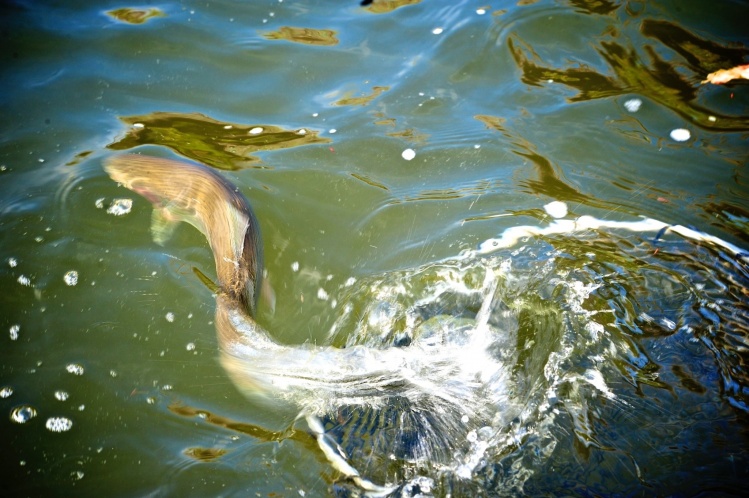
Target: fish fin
[[206, 280], [163, 225]]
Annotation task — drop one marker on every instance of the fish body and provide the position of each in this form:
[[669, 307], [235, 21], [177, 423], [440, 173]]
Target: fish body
[[436, 383]]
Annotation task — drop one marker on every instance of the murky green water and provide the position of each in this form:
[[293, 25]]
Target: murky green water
[[626, 352]]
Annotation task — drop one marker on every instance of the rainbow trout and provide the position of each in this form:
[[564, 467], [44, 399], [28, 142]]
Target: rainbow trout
[[436, 375]]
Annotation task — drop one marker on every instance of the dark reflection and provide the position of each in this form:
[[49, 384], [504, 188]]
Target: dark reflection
[[365, 99], [602, 7], [304, 438], [135, 16], [248, 429], [548, 181], [219, 144], [687, 381], [703, 56], [307, 36], [729, 217], [656, 79]]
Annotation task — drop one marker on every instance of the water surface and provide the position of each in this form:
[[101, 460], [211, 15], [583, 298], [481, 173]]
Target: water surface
[[627, 351]]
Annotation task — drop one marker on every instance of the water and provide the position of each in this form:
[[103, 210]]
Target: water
[[626, 351]]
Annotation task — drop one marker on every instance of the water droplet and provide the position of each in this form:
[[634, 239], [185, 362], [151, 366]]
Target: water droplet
[[170, 317], [437, 31], [256, 130], [99, 203], [481, 12], [321, 294], [138, 126], [112, 373], [58, 424], [22, 414], [24, 280], [408, 154], [14, 329], [190, 346], [61, 395], [633, 105], [77, 475], [295, 266], [6, 392], [74, 368], [12, 262], [71, 278]]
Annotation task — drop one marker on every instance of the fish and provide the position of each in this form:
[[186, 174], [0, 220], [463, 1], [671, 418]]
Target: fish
[[438, 381]]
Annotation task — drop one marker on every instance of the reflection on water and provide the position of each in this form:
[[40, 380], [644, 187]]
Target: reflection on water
[[222, 145], [307, 36], [625, 353], [658, 80], [135, 16]]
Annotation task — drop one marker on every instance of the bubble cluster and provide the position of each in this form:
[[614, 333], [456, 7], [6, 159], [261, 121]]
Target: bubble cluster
[[75, 369], [58, 424], [14, 329]]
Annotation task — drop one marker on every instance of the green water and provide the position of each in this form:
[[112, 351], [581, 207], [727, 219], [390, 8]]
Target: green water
[[507, 106]]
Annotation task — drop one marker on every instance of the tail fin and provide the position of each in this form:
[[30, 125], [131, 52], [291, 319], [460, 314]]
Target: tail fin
[[195, 194]]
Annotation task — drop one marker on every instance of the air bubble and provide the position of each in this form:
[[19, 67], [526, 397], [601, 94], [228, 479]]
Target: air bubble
[[120, 207], [71, 278], [22, 414]]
